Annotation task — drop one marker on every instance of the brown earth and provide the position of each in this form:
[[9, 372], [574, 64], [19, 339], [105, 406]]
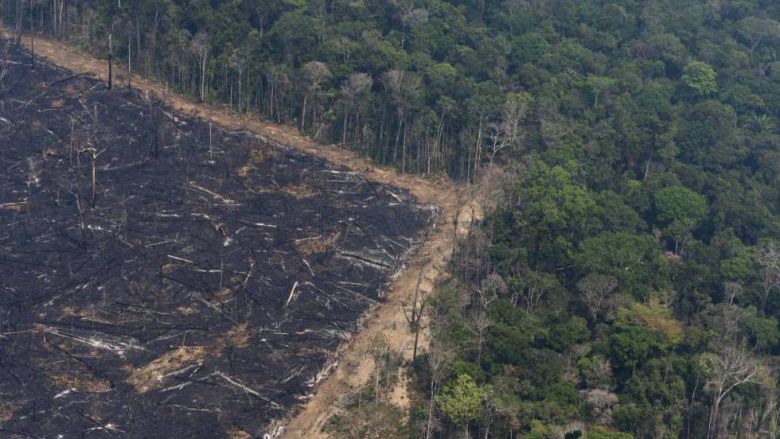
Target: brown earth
[[354, 366]]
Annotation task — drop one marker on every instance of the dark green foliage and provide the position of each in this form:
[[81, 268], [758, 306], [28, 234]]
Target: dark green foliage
[[630, 233]]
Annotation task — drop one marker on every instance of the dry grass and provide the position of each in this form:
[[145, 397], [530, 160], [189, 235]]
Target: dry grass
[[186, 310], [154, 373], [223, 295], [259, 154], [168, 268], [7, 412], [84, 313], [81, 382], [237, 337], [90, 314], [299, 192], [245, 170], [14, 207], [316, 244], [237, 433], [655, 316]]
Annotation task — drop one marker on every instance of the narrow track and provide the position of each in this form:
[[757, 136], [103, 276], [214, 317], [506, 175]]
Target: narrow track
[[429, 262]]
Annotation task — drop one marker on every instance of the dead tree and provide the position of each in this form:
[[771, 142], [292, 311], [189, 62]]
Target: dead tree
[[130, 56], [94, 153], [90, 147], [768, 259], [378, 350], [314, 73], [3, 65], [439, 357], [498, 139], [352, 91], [729, 367], [201, 46], [414, 317], [110, 61], [155, 116], [596, 290], [19, 14], [32, 34]]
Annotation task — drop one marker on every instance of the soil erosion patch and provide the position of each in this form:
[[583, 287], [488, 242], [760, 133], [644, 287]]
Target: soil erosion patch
[[162, 275]]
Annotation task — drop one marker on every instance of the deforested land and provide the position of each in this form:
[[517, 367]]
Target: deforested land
[[161, 273]]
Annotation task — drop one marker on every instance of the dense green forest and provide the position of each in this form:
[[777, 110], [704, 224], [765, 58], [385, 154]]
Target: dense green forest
[[626, 279]]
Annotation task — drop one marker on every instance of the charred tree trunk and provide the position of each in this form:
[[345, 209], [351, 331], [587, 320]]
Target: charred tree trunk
[[32, 35], [110, 61]]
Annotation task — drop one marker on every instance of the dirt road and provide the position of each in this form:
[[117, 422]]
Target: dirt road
[[353, 366]]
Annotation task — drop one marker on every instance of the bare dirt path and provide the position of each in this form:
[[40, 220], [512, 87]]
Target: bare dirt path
[[353, 366]]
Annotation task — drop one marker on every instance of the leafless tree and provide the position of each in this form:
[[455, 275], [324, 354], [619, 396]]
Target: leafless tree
[[378, 351], [596, 289], [601, 402], [130, 30], [403, 89], [531, 288], [410, 17], [155, 125], [414, 314], [490, 289], [509, 133], [201, 47], [733, 291], [439, 356], [110, 60], [497, 138], [314, 73], [3, 64], [478, 324], [94, 153], [768, 259], [239, 58], [19, 9], [351, 91], [725, 369], [516, 107], [32, 33]]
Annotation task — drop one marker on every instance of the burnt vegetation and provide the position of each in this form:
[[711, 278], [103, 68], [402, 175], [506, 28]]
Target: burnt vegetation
[[158, 273]]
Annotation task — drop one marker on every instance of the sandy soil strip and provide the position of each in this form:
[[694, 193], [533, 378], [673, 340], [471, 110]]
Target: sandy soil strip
[[354, 366]]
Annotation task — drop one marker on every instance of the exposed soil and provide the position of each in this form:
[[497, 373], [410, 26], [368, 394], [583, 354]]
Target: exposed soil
[[353, 367]]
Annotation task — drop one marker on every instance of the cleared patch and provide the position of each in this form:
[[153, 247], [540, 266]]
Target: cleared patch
[[316, 244], [299, 192], [154, 374], [81, 383]]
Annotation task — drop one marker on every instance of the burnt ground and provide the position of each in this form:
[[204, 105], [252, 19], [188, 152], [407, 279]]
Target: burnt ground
[[207, 288]]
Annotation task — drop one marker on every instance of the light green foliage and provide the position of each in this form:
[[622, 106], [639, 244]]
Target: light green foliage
[[700, 78], [598, 86], [462, 399]]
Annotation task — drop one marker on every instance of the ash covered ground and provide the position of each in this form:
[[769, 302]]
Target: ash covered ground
[[211, 282]]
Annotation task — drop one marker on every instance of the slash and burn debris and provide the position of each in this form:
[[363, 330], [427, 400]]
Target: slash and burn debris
[[161, 274]]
